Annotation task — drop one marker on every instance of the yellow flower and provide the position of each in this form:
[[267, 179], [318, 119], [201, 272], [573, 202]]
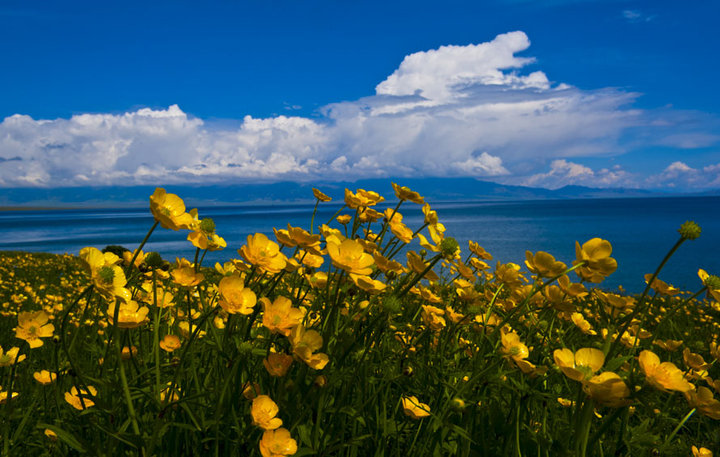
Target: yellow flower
[[320, 196], [186, 276], [211, 242], [344, 219], [703, 400], [431, 216], [414, 409], [598, 263], [509, 274], [277, 364], [368, 284], [317, 280], [617, 303], [250, 390], [661, 287], [607, 389], [702, 452], [362, 198], [386, 265], [304, 343], [309, 259], [139, 260], [711, 282], [350, 256], [425, 244], [33, 326], [263, 253], [669, 345], [543, 264], [174, 396], [130, 315], [235, 297], [263, 412], [663, 376], [10, 357], [418, 265], [81, 399], [277, 443], [513, 347], [44, 377], [51, 435], [404, 193], [570, 288], [581, 365], [368, 215], [4, 396], [400, 230], [169, 210], [694, 361], [280, 316], [479, 251], [170, 343], [128, 353], [283, 237], [108, 278], [432, 317], [303, 238], [584, 326]]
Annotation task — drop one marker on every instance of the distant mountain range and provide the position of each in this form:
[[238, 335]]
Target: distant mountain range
[[433, 189]]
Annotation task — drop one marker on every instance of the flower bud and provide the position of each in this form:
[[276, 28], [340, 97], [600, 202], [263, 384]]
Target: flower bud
[[457, 404], [449, 246], [391, 304], [207, 225], [689, 230], [153, 260], [712, 282]]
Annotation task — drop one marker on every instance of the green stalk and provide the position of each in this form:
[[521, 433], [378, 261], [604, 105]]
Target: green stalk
[[583, 429], [335, 215], [679, 426], [137, 251], [156, 335], [641, 300], [126, 390], [418, 277], [312, 219]]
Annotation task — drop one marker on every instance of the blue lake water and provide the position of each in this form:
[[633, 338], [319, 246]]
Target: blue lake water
[[641, 230]]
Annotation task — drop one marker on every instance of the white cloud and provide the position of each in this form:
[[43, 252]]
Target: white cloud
[[679, 175], [637, 16], [439, 74], [563, 173], [484, 164], [453, 111]]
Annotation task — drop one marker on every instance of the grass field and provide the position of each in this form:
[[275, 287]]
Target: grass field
[[358, 337]]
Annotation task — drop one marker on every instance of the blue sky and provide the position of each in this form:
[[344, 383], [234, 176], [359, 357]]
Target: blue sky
[[600, 93]]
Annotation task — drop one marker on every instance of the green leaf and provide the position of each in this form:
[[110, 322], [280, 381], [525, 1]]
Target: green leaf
[[617, 362], [66, 437]]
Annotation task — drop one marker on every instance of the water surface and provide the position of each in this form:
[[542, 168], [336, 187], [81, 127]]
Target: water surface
[[641, 230]]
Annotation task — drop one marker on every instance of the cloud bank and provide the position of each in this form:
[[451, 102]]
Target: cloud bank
[[452, 111]]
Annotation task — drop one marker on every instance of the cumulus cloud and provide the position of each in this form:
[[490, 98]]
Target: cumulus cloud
[[471, 110], [564, 173], [679, 175], [440, 74]]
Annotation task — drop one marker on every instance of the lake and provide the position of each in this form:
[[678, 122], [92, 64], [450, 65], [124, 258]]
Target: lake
[[641, 230]]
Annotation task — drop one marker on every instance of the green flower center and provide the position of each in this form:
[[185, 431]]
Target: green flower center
[[106, 274]]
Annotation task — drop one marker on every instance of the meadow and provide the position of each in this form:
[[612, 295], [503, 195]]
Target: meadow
[[353, 336]]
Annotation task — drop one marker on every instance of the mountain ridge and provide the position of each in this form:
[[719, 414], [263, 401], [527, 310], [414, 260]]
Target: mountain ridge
[[433, 189]]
